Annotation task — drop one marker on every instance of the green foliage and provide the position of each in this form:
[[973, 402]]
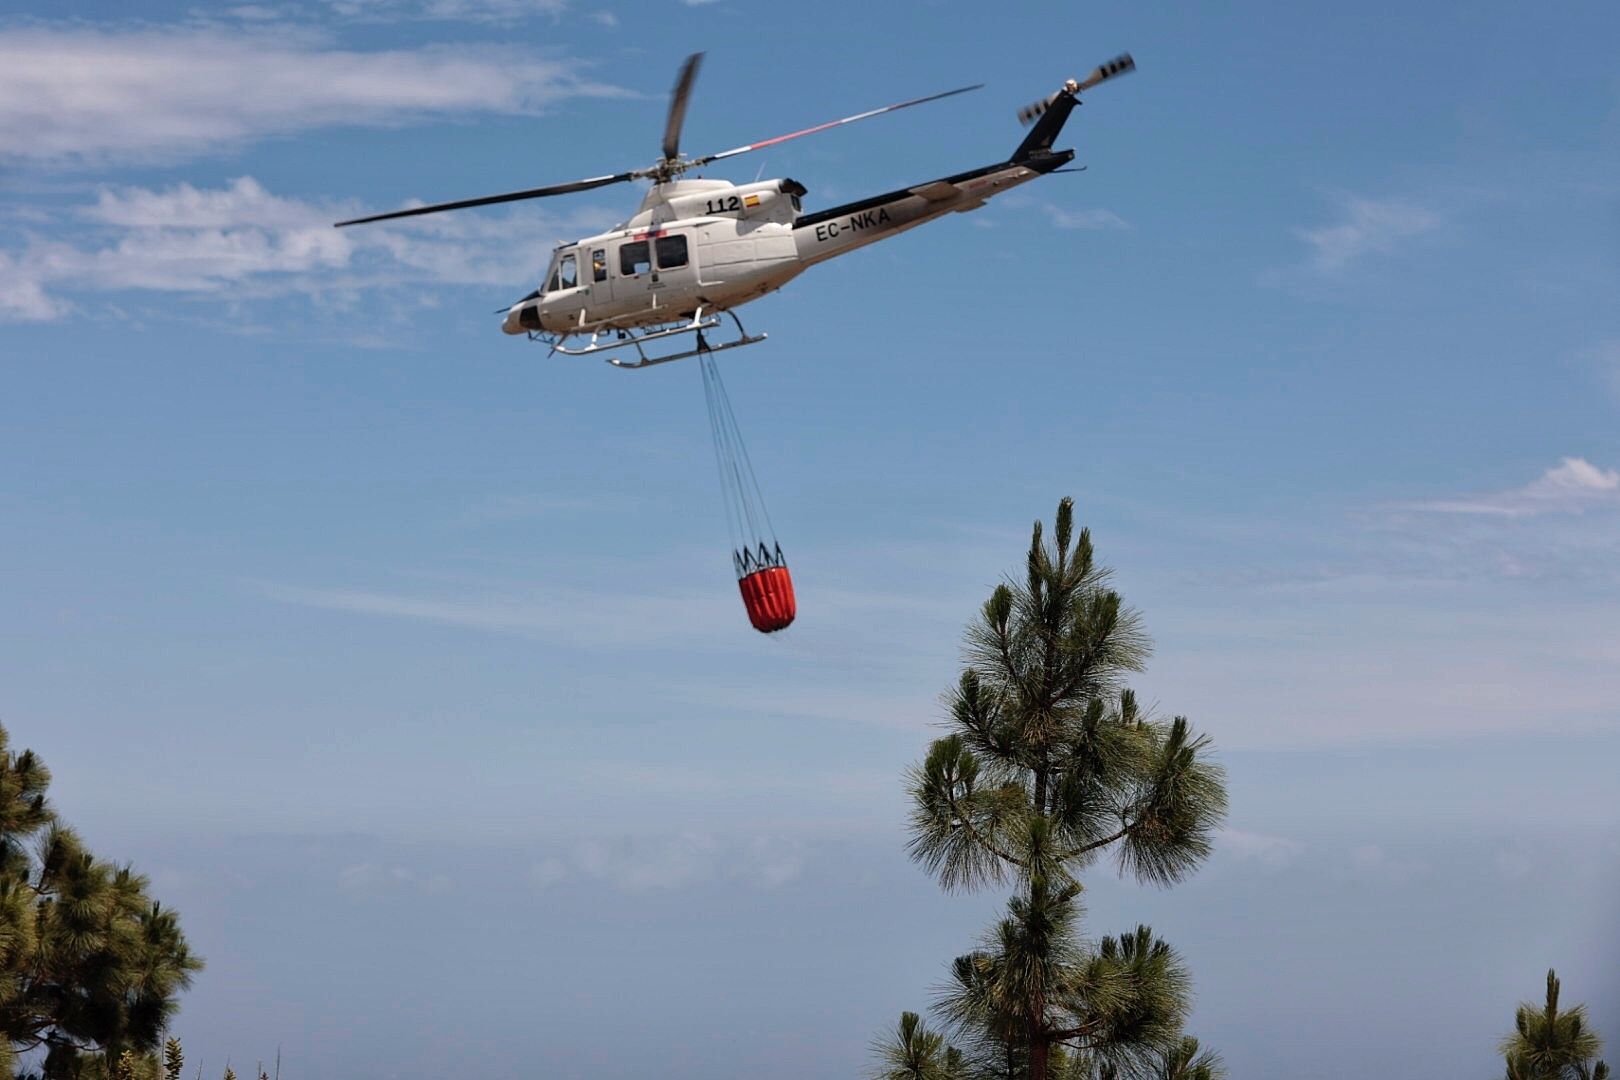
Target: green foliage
[[913, 1052], [174, 1059], [90, 965], [1186, 1062], [1553, 1044], [1052, 765]]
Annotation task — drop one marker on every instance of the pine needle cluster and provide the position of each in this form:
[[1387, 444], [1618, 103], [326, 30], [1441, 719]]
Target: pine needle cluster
[[1549, 1043]]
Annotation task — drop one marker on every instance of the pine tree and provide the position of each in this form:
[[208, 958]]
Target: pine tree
[[1052, 766], [1553, 1044], [90, 965]]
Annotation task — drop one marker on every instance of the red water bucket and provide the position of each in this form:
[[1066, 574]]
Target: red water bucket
[[768, 596]]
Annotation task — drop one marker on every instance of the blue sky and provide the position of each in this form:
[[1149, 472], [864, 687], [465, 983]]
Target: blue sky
[[408, 662]]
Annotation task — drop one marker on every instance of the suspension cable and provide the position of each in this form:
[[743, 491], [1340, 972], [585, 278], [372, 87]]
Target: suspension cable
[[747, 518]]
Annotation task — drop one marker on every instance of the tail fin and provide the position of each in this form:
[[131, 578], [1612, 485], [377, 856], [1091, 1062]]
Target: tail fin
[[1054, 113]]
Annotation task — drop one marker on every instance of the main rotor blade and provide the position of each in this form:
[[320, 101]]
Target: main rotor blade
[[487, 200], [833, 123], [677, 105]]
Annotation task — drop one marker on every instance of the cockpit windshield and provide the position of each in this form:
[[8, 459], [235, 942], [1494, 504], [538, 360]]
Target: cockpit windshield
[[564, 271]]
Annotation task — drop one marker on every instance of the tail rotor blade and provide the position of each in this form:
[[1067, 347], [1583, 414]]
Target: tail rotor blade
[[1031, 112], [678, 98], [1119, 65]]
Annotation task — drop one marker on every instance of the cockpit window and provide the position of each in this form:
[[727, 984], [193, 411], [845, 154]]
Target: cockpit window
[[599, 265], [671, 252], [564, 272], [634, 258]]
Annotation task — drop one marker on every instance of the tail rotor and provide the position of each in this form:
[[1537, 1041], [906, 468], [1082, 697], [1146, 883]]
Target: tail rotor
[[1119, 65]]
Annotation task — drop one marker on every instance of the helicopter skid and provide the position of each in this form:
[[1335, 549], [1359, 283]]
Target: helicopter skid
[[636, 339]]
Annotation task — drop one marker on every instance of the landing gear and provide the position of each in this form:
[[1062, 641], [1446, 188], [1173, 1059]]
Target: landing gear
[[636, 339]]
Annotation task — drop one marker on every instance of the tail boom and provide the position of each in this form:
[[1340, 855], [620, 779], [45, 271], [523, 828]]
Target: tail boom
[[826, 233]]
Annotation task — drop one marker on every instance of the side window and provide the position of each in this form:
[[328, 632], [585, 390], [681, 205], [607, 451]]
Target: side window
[[568, 272], [671, 252], [599, 265], [634, 259]]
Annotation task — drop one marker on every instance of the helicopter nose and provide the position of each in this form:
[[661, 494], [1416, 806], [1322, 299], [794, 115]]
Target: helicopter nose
[[522, 318]]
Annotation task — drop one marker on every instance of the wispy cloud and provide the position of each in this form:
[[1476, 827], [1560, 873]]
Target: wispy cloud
[[1572, 486], [462, 10], [1374, 862], [1085, 219], [244, 240], [1270, 852], [23, 297], [1368, 226], [1095, 219], [369, 878], [667, 863], [255, 12], [83, 96], [571, 616]]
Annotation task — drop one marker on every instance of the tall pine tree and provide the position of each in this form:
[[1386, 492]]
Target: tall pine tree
[[1050, 767], [90, 965]]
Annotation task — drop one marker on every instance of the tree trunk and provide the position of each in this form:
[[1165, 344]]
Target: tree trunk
[[1038, 1052]]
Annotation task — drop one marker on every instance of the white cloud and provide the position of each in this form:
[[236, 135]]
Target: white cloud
[[370, 878], [1572, 486], [23, 297], [464, 10], [254, 12], [1085, 219], [1270, 852], [1373, 862], [565, 616], [82, 96], [1370, 226], [244, 241]]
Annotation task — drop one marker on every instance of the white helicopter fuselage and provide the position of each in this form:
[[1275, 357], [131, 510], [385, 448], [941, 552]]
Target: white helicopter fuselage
[[707, 246]]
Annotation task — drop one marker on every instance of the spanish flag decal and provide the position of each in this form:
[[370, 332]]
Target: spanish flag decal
[[750, 201]]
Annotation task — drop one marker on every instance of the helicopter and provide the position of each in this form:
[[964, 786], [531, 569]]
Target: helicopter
[[697, 249]]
